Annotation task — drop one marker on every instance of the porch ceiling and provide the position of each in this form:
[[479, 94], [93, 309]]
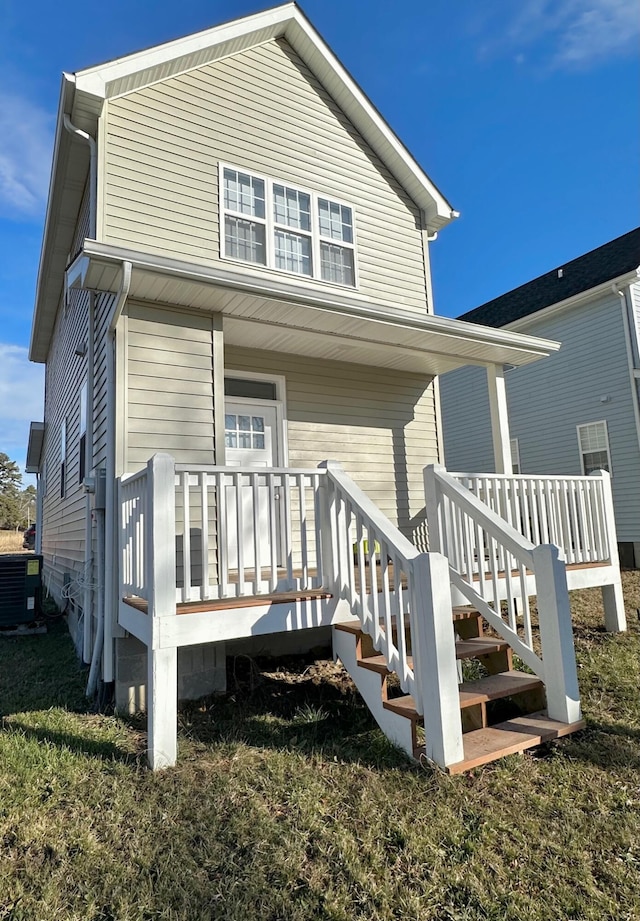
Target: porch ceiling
[[289, 316]]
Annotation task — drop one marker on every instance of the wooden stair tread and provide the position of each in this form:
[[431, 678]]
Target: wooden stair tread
[[465, 612], [484, 745], [494, 687], [379, 664], [403, 706], [248, 601], [479, 646]]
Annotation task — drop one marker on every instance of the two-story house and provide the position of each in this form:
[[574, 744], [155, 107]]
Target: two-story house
[[234, 307]]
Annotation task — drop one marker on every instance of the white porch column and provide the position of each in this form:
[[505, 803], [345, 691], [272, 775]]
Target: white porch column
[[499, 419]]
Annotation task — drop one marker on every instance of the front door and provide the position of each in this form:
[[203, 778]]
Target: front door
[[251, 434]]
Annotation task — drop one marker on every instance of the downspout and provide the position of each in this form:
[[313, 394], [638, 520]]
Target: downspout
[[89, 569], [629, 334], [103, 647], [93, 171]]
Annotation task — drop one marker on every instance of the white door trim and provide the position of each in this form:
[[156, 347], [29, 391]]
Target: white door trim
[[282, 445]]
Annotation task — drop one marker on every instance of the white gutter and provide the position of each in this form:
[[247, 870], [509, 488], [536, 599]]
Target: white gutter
[[629, 333], [93, 170], [107, 611]]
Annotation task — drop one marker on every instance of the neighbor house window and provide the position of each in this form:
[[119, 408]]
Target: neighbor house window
[[594, 447], [282, 227], [63, 458], [82, 446], [515, 456]]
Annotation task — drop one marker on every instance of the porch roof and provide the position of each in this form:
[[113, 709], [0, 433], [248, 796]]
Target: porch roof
[[292, 316]]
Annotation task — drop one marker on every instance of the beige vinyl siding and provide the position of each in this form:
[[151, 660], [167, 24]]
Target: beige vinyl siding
[[64, 518], [169, 386], [379, 424], [261, 110]]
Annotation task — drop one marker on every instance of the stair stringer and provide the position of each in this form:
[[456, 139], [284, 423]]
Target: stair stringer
[[398, 729]]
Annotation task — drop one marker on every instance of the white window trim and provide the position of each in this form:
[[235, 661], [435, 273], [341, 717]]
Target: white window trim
[[270, 227], [583, 425], [514, 447]]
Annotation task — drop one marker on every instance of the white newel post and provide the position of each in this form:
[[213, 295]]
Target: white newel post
[[162, 667], [556, 635], [434, 658], [329, 538], [612, 599]]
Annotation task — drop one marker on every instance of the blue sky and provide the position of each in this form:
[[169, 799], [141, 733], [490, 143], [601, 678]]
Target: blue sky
[[523, 112]]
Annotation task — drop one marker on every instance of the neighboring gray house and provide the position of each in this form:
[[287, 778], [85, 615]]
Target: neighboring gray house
[[578, 410]]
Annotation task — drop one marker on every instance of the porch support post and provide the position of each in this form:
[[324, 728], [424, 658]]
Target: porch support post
[[612, 598], [162, 663], [556, 635], [162, 707], [499, 419], [218, 389]]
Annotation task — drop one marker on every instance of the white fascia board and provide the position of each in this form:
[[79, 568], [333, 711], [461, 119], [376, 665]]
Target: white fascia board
[[622, 281], [530, 348], [181, 55], [98, 80], [61, 143]]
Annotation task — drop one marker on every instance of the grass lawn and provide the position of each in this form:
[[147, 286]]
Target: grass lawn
[[288, 803]]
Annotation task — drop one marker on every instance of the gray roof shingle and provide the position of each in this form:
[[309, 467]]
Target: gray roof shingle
[[603, 264]]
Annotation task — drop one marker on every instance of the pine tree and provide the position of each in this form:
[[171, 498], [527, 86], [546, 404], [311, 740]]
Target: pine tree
[[10, 483]]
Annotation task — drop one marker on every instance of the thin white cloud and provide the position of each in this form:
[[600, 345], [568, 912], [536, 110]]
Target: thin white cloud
[[567, 33], [26, 132], [21, 399]]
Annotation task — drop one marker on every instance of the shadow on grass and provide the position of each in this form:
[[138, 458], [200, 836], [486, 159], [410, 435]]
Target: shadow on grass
[[299, 711], [100, 749], [606, 745]]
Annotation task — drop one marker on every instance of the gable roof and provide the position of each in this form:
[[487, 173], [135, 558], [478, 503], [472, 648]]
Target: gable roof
[[83, 95], [611, 261]]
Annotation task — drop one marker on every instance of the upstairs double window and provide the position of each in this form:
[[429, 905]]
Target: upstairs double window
[[282, 227]]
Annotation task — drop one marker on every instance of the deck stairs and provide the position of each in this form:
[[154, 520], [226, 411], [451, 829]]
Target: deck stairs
[[502, 710]]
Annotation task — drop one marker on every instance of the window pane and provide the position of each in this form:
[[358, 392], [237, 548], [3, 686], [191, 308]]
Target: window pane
[[257, 423], [244, 440], [258, 442], [260, 390], [336, 221], [230, 421], [244, 423], [293, 252], [291, 207], [337, 264], [230, 439], [243, 193], [596, 460], [244, 240]]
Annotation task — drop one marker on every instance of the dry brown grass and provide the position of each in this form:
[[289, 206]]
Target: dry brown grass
[[11, 542]]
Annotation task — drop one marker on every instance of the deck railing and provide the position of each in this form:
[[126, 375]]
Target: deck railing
[[492, 564], [574, 513], [134, 521], [246, 531], [403, 600]]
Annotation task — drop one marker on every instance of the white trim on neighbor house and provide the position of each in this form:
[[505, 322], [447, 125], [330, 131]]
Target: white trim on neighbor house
[[272, 227], [515, 456], [583, 429]]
